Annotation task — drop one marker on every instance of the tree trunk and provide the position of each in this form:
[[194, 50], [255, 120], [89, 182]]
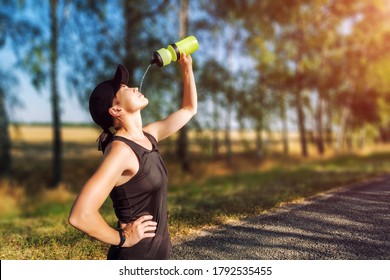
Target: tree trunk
[[215, 139], [5, 142], [361, 141], [182, 143], [319, 127], [299, 83], [259, 141], [228, 140], [283, 116], [55, 99], [301, 123], [328, 129], [230, 101], [342, 136], [131, 26]]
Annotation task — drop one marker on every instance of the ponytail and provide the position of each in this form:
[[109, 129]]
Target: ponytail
[[104, 139]]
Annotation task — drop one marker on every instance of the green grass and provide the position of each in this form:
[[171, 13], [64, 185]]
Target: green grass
[[239, 195], [33, 224]]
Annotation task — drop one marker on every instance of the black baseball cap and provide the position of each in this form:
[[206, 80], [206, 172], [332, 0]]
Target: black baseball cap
[[102, 96]]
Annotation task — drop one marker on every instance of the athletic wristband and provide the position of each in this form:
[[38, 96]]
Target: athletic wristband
[[122, 237]]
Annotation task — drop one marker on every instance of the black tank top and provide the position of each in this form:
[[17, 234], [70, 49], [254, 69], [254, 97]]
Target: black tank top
[[144, 194]]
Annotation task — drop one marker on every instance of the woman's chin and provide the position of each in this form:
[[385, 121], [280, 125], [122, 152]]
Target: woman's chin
[[145, 103]]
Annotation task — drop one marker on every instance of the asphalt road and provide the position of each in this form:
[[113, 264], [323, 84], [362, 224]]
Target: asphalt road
[[352, 223]]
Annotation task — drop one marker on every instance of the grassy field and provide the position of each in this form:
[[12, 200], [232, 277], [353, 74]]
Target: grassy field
[[33, 222]]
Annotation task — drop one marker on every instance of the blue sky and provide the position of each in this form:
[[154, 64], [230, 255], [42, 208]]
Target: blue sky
[[37, 108], [36, 105]]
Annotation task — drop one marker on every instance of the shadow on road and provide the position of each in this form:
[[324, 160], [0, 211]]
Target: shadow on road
[[353, 223]]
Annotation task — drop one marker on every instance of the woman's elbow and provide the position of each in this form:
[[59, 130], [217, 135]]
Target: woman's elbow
[[73, 220], [193, 110], [76, 220]]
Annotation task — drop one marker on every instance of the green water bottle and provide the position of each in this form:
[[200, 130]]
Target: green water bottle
[[163, 56]]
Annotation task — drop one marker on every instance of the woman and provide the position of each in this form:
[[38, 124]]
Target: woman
[[132, 172]]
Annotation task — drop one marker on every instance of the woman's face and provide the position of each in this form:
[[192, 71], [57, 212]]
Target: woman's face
[[130, 99]]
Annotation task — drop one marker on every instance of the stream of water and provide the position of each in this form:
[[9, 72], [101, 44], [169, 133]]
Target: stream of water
[[143, 77]]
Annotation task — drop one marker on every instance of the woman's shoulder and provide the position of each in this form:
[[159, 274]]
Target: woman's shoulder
[[118, 145], [118, 153]]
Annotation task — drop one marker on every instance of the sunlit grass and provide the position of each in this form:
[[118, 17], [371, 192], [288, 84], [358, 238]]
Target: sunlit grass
[[238, 195]]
